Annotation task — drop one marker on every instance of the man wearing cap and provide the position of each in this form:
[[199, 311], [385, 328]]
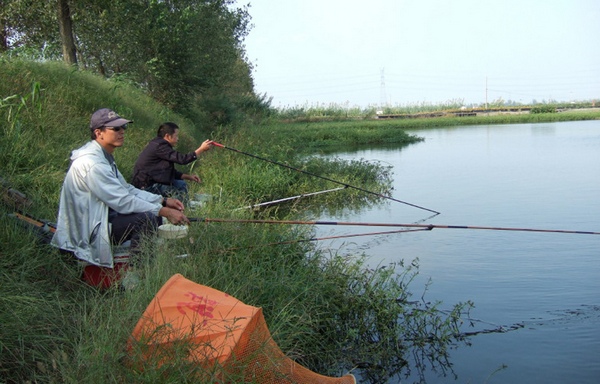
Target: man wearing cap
[[98, 207]]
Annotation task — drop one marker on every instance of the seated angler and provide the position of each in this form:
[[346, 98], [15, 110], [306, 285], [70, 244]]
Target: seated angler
[[98, 208], [154, 170]]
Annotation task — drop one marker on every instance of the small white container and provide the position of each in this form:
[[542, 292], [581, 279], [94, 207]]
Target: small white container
[[170, 231]]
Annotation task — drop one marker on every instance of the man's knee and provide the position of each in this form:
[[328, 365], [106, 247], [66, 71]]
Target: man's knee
[[180, 185], [148, 220]]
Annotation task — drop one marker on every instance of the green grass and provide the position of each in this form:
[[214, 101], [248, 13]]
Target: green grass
[[494, 119], [317, 136], [342, 112], [328, 311], [326, 136]]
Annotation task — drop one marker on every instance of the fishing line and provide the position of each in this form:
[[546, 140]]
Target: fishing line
[[290, 198], [423, 226], [323, 177], [321, 238]]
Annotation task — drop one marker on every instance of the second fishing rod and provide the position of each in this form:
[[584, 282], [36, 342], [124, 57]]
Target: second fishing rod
[[324, 178]]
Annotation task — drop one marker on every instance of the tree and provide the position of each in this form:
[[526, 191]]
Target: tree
[[29, 25], [65, 27], [181, 51], [3, 36]]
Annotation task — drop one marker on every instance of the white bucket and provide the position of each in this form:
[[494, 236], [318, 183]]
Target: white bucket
[[170, 231]]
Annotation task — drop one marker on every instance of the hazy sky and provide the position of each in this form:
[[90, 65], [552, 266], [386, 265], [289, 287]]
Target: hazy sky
[[400, 52]]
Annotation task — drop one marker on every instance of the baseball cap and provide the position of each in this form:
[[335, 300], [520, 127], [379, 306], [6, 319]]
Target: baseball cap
[[105, 117]]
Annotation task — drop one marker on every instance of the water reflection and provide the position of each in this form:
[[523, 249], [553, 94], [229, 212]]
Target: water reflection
[[543, 129]]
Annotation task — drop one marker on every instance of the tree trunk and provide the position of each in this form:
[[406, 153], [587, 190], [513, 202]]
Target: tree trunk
[[3, 36], [65, 26]]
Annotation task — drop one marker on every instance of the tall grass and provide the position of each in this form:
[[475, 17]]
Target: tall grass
[[382, 131], [327, 311], [335, 135], [341, 112]]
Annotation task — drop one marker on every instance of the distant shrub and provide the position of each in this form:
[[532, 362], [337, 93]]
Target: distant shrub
[[543, 109]]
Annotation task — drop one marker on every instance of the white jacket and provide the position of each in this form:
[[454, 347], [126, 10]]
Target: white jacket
[[91, 186]]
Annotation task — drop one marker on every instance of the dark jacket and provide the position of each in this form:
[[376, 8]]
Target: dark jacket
[[156, 164]]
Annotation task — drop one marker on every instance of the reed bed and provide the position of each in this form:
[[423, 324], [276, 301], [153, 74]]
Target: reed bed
[[341, 112]]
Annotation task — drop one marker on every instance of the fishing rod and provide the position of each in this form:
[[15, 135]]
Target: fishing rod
[[323, 177], [424, 226], [291, 198], [42, 225]]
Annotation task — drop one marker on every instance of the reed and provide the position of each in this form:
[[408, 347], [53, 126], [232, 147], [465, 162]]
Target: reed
[[340, 112], [326, 136]]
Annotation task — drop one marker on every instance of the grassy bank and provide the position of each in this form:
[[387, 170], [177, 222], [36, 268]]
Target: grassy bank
[[326, 136], [328, 312], [340, 112], [355, 132]]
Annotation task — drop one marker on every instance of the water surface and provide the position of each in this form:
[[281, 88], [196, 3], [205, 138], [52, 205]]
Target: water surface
[[544, 176]]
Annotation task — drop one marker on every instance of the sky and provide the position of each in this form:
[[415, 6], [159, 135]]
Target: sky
[[404, 53]]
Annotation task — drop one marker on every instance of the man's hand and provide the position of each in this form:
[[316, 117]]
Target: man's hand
[[205, 146], [174, 216], [175, 204], [194, 178]]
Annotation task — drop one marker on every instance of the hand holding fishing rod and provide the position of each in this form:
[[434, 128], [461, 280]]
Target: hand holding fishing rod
[[323, 177]]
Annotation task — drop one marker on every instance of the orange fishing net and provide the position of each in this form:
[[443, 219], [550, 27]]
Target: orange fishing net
[[212, 329]]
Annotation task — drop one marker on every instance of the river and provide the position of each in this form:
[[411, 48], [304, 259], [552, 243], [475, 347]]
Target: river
[[540, 176]]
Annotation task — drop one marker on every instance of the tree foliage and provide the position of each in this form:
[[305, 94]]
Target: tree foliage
[[183, 52], [28, 24]]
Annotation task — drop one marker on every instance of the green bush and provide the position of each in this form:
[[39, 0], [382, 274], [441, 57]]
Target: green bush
[[543, 109]]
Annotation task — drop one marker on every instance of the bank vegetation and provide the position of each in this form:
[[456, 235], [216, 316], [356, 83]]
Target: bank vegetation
[[184, 61], [326, 310]]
